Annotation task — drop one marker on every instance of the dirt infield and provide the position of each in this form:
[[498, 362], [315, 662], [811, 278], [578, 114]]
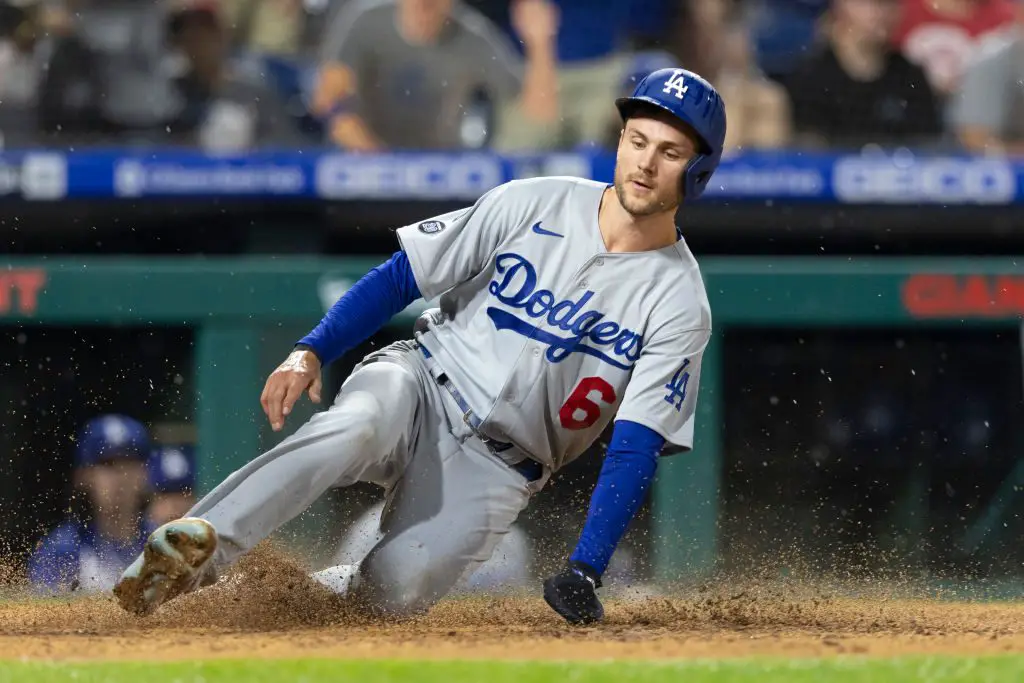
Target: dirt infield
[[275, 611]]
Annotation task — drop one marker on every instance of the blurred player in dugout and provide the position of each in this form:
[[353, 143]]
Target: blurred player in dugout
[[172, 481], [112, 510]]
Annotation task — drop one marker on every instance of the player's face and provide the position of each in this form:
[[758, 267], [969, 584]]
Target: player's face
[[117, 487], [652, 155]]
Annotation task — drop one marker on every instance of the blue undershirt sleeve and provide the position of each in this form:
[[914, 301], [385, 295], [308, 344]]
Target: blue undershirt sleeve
[[629, 466], [363, 310]]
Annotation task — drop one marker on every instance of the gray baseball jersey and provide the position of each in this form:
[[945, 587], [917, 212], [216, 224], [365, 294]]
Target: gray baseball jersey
[[548, 335]]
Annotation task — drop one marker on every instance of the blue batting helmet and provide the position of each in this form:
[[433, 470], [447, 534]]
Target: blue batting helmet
[[111, 437], [695, 102], [172, 469]]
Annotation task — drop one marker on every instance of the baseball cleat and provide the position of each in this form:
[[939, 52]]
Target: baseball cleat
[[173, 562], [339, 579]]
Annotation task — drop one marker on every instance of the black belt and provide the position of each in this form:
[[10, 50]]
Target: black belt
[[528, 467]]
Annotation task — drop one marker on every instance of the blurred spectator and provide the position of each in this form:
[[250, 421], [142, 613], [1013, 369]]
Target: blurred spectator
[[941, 35], [757, 108], [280, 28], [91, 548], [857, 90], [172, 478], [19, 60], [266, 26], [697, 32], [21, 67], [593, 53], [224, 108], [108, 71], [784, 31], [132, 72], [426, 74], [988, 111]]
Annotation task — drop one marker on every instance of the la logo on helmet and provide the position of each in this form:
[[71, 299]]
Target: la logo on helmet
[[676, 84]]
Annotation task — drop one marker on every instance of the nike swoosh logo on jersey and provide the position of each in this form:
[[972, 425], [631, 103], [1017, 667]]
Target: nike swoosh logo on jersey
[[541, 231], [591, 332]]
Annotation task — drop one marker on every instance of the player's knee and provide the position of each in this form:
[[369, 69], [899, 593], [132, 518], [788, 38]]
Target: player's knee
[[403, 590], [369, 402], [404, 602]]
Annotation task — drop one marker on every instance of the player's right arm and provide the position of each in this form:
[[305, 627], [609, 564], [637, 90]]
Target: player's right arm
[[436, 255], [358, 314]]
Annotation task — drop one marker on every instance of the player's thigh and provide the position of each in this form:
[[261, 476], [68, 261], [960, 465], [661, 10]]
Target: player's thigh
[[362, 436], [448, 513]]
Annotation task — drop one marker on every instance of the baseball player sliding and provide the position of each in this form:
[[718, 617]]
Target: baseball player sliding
[[564, 303]]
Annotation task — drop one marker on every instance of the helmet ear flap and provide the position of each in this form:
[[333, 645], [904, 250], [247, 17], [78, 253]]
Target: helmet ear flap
[[697, 174]]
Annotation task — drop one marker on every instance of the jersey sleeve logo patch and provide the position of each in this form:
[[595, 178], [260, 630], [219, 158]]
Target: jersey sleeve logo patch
[[431, 227], [677, 386]]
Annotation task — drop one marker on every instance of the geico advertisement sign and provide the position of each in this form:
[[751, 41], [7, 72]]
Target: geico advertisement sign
[[346, 176], [933, 181]]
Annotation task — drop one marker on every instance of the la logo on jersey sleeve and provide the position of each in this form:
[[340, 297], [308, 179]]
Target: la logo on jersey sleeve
[[677, 386]]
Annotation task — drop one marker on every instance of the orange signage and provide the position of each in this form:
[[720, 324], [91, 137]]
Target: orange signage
[[964, 296], [19, 290]]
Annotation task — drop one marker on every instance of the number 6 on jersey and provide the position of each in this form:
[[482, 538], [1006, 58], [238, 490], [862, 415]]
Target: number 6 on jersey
[[581, 400]]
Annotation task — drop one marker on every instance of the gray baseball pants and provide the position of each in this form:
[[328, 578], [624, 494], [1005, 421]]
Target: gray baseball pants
[[450, 498]]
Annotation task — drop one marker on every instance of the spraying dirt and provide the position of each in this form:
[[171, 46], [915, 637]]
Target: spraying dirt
[[268, 607]]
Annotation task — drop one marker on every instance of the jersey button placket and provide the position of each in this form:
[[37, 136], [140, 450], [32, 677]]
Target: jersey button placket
[[584, 281]]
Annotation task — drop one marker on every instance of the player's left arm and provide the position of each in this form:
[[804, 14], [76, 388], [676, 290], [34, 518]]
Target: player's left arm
[[657, 408], [436, 255], [371, 302], [629, 466], [358, 314]]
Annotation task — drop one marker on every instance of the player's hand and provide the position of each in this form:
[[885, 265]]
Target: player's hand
[[573, 594], [299, 371], [535, 21]]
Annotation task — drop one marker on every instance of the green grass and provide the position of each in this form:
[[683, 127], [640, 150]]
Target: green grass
[[1001, 669]]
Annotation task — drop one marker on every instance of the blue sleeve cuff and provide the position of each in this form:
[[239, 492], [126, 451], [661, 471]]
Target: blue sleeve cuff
[[363, 310], [626, 475]]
